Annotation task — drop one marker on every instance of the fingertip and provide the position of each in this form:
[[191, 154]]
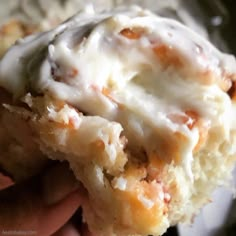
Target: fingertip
[[56, 215], [5, 181]]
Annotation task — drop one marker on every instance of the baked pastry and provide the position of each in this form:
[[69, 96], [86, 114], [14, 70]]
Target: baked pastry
[[141, 107]]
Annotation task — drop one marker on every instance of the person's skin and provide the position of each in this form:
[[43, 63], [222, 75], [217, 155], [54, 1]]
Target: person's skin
[[42, 205]]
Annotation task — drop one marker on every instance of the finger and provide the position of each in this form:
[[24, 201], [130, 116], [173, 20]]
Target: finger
[[57, 183], [53, 217], [67, 230], [5, 181], [44, 220], [26, 205]]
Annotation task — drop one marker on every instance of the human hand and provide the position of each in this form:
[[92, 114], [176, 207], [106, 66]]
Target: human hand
[[42, 205]]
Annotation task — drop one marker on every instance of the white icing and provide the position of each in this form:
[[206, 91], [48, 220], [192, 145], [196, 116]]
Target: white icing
[[78, 59], [120, 183]]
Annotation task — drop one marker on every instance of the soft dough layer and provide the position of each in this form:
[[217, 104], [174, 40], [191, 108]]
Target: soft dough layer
[[141, 107]]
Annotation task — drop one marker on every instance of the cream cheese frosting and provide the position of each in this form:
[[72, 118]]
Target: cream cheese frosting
[[112, 65]]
